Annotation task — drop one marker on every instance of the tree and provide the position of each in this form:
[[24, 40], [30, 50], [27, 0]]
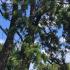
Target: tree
[[43, 13]]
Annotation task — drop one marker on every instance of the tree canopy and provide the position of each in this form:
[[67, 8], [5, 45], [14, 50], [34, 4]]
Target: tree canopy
[[45, 18]]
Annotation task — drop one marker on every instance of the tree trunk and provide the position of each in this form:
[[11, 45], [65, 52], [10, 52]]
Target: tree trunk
[[4, 54], [8, 45]]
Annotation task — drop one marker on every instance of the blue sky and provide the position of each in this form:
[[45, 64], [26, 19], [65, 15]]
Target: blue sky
[[5, 24]]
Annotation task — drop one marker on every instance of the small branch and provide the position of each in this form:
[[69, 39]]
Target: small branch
[[20, 36], [3, 30], [1, 12]]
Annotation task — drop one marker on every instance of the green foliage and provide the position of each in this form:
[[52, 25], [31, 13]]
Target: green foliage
[[43, 67], [27, 27], [15, 1], [1, 47], [25, 4], [13, 60], [32, 51], [68, 66], [44, 57], [6, 16]]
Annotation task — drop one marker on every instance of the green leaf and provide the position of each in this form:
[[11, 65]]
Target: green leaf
[[44, 57], [6, 16]]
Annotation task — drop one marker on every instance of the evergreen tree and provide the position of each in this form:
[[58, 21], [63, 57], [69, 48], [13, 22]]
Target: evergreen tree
[[43, 14]]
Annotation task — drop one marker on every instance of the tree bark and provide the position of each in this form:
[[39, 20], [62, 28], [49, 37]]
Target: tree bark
[[4, 54], [8, 45]]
